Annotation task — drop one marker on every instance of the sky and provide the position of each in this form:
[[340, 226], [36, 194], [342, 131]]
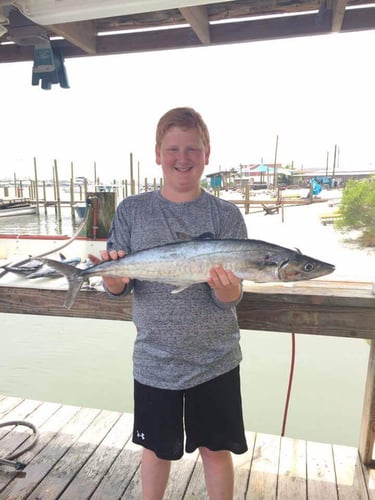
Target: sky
[[311, 93]]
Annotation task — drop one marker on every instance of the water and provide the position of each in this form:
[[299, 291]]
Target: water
[[47, 221], [44, 223], [87, 362]]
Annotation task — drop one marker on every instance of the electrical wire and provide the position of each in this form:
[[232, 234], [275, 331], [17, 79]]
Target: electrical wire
[[10, 459], [290, 383], [70, 240]]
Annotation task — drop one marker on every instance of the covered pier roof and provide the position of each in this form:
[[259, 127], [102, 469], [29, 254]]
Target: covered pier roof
[[92, 27]]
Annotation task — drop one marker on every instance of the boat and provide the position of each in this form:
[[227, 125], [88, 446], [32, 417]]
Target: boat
[[16, 206], [80, 210]]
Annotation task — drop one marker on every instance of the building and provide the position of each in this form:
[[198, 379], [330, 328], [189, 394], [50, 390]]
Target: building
[[330, 179]]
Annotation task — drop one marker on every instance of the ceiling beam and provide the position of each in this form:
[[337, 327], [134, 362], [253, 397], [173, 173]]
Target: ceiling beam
[[197, 17], [226, 33], [82, 34], [338, 13]]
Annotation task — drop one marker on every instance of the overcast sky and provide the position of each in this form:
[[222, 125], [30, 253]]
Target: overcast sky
[[312, 93]]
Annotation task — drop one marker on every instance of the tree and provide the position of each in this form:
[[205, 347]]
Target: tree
[[357, 209]]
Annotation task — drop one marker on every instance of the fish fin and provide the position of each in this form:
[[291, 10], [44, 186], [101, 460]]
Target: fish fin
[[183, 236], [205, 236], [179, 289], [75, 284], [188, 237], [61, 267], [72, 274]]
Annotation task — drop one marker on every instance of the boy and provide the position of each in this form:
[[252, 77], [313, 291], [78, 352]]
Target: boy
[[186, 354]]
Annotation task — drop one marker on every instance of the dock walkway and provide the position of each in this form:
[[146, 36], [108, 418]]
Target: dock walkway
[[84, 453]]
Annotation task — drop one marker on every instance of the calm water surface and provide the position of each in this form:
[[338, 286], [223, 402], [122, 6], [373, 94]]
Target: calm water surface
[[44, 223]]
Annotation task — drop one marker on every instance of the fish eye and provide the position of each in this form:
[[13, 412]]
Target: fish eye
[[308, 267]]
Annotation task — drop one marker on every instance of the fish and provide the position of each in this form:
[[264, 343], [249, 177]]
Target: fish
[[47, 271], [26, 269], [185, 263], [30, 266]]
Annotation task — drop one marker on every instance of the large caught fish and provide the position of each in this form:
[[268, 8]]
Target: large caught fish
[[186, 263]]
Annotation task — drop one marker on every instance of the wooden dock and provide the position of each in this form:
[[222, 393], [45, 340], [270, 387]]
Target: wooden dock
[[85, 453], [88, 454]]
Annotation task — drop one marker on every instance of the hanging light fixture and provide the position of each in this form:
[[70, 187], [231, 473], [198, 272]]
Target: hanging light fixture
[[64, 11]]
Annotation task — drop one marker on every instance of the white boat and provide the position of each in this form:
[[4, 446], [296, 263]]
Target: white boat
[[16, 206], [10, 212]]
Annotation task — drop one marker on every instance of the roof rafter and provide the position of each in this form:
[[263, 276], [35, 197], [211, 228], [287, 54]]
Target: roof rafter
[[338, 13], [82, 34], [197, 17]]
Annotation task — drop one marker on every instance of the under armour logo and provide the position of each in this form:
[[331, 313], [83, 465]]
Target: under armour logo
[[141, 435]]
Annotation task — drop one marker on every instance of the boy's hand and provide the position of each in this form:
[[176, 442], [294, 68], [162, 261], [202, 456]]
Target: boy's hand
[[226, 285], [114, 285]]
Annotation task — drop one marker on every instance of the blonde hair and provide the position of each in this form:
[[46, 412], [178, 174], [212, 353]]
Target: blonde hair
[[185, 118]]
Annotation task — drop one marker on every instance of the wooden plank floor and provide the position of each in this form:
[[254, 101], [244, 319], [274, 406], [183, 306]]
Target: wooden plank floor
[[87, 453]]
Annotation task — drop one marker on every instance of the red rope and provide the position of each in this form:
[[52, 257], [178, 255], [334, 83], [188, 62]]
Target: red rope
[[291, 373]]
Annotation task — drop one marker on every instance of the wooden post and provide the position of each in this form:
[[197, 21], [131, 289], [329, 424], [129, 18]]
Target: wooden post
[[334, 162], [57, 191], [132, 181], [72, 189], [247, 199], [20, 190], [36, 186], [45, 197], [367, 435], [275, 177], [146, 186], [139, 176]]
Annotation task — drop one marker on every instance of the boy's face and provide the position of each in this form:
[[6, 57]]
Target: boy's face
[[183, 157]]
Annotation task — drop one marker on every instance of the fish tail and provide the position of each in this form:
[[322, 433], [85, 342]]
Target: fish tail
[[75, 283], [75, 279]]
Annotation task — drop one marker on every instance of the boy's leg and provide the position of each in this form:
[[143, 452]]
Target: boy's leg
[[155, 473], [158, 427], [218, 473], [213, 415]]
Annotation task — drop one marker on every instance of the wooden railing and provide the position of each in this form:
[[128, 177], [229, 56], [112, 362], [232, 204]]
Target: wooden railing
[[340, 309]]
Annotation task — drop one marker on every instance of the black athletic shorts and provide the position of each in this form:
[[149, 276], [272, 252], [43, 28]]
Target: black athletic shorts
[[210, 414]]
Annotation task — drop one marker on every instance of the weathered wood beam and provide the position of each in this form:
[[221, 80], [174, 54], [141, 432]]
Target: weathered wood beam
[[82, 34], [338, 14], [197, 17], [367, 435], [345, 312]]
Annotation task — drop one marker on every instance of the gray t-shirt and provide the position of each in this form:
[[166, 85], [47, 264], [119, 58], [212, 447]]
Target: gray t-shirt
[[187, 338]]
